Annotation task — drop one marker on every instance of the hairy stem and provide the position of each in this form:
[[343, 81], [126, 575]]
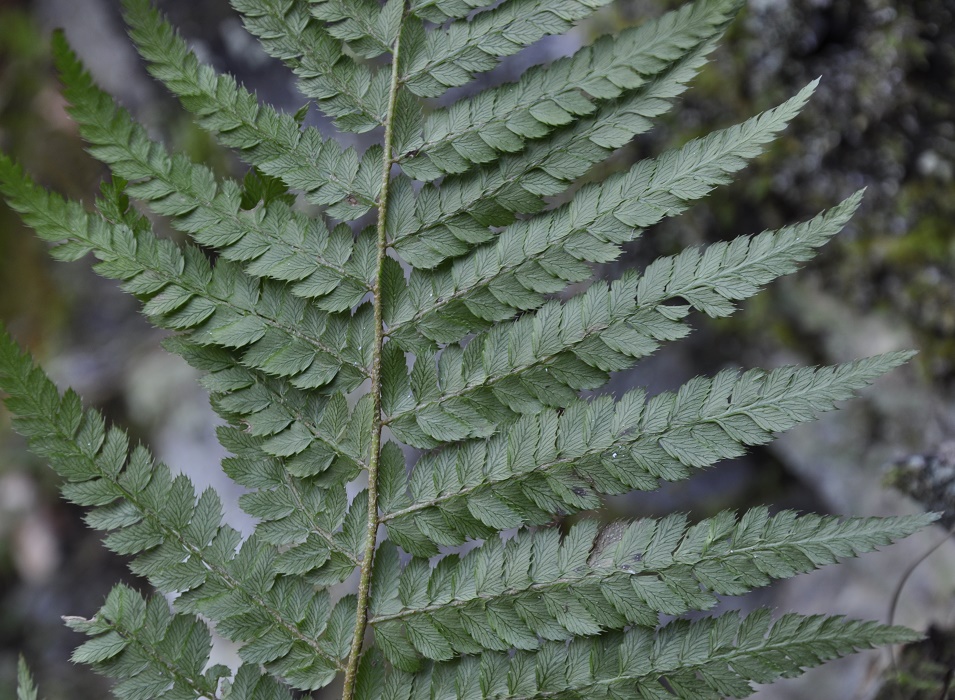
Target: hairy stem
[[368, 556]]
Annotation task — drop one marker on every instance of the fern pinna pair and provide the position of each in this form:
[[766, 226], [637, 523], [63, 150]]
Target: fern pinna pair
[[459, 323]]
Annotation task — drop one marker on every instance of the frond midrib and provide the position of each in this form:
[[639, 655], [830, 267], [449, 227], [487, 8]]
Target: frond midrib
[[373, 518]]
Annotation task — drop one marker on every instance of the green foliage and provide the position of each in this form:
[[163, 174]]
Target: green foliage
[[466, 322], [26, 689], [711, 658]]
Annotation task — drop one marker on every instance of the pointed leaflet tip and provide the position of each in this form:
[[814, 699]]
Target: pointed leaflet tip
[[26, 689], [789, 109], [64, 57], [58, 40], [68, 66], [897, 358]]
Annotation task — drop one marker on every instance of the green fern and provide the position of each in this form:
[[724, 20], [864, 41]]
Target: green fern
[[26, 689], [453, 325]]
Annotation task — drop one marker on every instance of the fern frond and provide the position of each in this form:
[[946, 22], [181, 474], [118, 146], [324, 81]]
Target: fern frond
[[501, 119], [601, 217], [155, 653], [537, 587], [542, 359], [452, 324], [267, 407], [440, 11], [295, 453], [269, 140], [707, 659], [561, 461], [478, 289], [178, 540], [369, 28], [183, 291], [26, 688], [529, 260], [458, 212], [274, 241], [158, 654], [249, 683], [343, 88], [450, 56], [298, 497]]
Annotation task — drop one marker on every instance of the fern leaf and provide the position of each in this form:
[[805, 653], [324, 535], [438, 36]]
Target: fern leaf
[[442, 306], [726, 272], [537, 587], [458, 212], [707, 659], [440, 11], [249, 683], [325, 355], [295, 454], [179, 543], [26, 688], [542, 359], [479, 288], [267, 406], [185, 292], [280, 416], [267, 139], [500, 119], [451, 56], [369, 29], [156, 654], [602, 217], [561, 461], [343, 88], [274, 241]]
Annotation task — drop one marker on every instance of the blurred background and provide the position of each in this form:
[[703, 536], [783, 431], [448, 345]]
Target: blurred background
[[883, 118]]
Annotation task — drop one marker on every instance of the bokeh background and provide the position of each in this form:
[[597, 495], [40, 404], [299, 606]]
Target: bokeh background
[[883, 118]]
